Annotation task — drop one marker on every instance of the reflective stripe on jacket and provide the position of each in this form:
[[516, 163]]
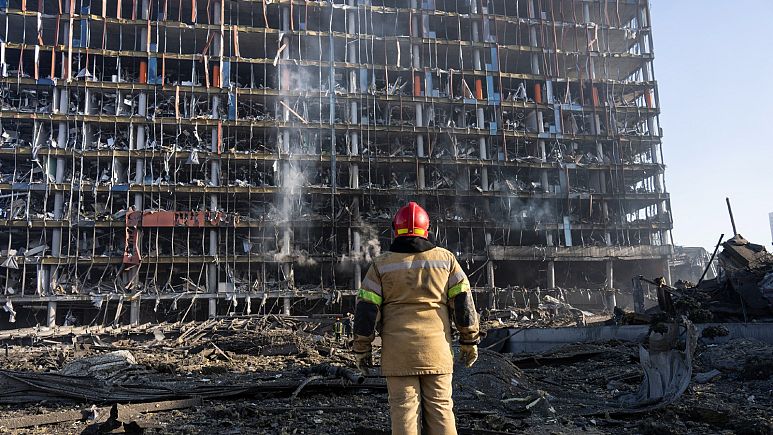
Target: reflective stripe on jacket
[[412, 295]]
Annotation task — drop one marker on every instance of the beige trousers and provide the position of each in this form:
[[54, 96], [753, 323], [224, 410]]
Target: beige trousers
[[416, 398]]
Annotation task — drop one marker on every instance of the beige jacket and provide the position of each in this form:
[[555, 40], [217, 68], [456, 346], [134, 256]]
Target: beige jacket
[[414, 293]]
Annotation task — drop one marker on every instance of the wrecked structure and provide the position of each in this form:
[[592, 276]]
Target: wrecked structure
[[689, 263], [254, 151]]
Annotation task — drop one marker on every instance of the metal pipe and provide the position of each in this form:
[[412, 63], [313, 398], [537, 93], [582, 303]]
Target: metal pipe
[[732, 220], [713, 254]]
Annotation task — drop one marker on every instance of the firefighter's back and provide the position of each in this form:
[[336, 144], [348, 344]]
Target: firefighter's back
[[416, 329]]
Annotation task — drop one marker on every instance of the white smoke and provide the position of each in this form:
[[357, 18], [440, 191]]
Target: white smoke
[[371, 246]]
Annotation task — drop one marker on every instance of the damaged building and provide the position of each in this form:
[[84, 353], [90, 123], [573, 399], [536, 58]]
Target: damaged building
[[247, 156]]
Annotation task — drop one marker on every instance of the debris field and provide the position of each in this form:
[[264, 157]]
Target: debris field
[[270, 374]]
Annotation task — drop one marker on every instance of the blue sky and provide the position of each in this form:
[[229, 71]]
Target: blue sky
[[714, 69]]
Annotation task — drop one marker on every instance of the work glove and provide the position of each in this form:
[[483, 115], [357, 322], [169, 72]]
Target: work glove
[[468, 354], [364, 361]]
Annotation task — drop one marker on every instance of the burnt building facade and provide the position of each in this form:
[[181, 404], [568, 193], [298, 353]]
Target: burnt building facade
[[244, 156]]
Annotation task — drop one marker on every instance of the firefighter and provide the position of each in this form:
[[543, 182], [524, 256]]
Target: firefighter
[[338, 329], [348, 322], [410, 293]]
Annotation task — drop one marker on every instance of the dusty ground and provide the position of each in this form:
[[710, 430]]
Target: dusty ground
[[571, 391]]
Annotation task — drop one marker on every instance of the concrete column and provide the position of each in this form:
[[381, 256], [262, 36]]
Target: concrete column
[[605, 221], [141, 140], [666, 271], [212, 307], [61, 167], [535, 69], [603, 190], [134, 311], [654, 149], [610, 275], [586, 11], [483, 148], [611, 294], [591, 66], [357, 255], [638, 296], [489, 266], [490, 274], [420, 177], [286, 181], [611, 299], [87, 102], [286, 304], [139, 168], [212, 284], [591, 63], [43, 282], [654, 154], [87, 136], [551, 274], [534, 56], [416, 50], [51, 314], [647, 77], [478, 64], [354, 116]]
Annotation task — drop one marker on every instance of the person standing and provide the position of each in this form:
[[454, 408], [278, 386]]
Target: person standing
[[338, 329], [348, 322], [410, 294]]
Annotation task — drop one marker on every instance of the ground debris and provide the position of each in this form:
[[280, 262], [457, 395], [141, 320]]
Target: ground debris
[[575, 389], [667, 368]]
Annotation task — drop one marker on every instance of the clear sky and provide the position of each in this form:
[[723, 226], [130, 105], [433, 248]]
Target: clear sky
[[714, 67]]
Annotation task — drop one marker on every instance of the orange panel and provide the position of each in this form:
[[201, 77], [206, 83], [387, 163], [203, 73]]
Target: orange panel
[[416, 85], [478, 89], [176, 219], [538, 93], [219, 137], [163, 68], [133, 217], [143, 72], [216, 76], [53, 62], [648, 99], [158, 219], [595, 93]]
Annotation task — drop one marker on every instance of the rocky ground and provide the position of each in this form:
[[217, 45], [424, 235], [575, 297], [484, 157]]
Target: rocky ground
[[570, 391]]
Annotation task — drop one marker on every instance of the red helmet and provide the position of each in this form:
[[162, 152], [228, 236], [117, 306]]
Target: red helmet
[[411, 220]]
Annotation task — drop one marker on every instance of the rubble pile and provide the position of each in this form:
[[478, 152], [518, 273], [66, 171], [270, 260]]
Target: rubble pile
[[743, 290], [286, 375], [749, 273], [586, 382], [546, 311]]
